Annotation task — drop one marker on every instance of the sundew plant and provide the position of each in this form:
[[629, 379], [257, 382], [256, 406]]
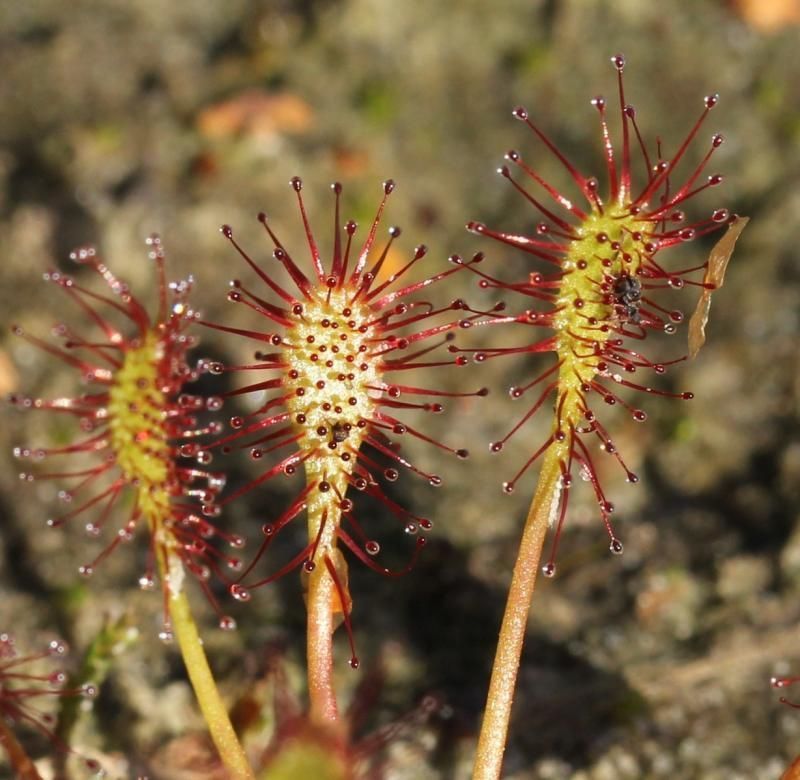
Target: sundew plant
[[138, 431], [350, 350], [342, 344], [605, 266]]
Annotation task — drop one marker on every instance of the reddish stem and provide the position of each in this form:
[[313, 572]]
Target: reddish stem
[[494, 730], [19, 760], [321, 691]]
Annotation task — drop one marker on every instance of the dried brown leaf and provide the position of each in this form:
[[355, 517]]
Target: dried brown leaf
[[9, 378], [715, 276], [258, 113], [793, 772], [188, 757], [769, 15]]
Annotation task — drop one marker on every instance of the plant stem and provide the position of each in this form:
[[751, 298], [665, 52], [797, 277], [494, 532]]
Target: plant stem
[[324, 517], [205, 689], [494, 730], [21, 763], [319, 647]]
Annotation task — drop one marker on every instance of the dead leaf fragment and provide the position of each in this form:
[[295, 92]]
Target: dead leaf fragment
[[793, 772], [9, 379], [715, 275], [769, 15], [255, 112], [189, 757]]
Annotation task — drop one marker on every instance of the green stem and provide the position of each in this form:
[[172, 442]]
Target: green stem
[[22, 765], [494, 730], [205, 689]]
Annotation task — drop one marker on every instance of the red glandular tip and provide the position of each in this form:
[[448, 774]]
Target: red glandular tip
[[782, 683]]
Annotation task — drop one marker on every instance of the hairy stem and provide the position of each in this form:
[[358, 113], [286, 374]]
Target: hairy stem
[[22, 765], [494, 730], [205, 688]]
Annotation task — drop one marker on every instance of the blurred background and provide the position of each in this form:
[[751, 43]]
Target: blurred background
[[118, 119]]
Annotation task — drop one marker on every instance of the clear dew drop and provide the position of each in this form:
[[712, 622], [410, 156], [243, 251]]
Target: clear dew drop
[[166, 635], [549, 569], [227, 623], [146, 582], [216, 482], [240, 593], [57, 647], [616, 547], [237, 542], [125, 534], [372, 547]]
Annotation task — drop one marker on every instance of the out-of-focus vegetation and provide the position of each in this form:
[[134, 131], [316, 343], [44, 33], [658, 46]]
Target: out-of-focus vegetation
[[118, 119]]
